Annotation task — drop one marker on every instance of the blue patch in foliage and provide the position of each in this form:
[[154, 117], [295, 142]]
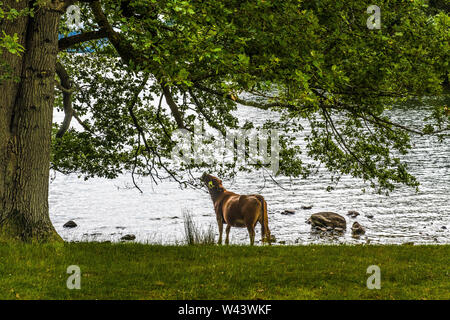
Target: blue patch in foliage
[[100, 43]]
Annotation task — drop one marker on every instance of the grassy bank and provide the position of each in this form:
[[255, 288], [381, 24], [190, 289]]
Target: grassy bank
[[135, 271]]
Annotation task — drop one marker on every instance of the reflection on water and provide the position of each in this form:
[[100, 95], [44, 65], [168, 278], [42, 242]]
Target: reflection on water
[[107, 210]]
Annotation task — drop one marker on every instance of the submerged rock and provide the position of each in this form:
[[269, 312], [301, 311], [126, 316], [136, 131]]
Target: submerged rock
[[288, 212], [307, 207], [328, 219], [70, 224], [353, 213], [128, 237]]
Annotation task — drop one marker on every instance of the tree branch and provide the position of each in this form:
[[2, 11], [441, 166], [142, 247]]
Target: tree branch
[[120, 43], [150, 149], [173, 106], [67, 98], [200, 108], [229, 96], [375, 119], [67, 42]]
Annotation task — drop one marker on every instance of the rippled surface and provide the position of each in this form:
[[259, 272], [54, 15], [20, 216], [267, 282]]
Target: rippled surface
[[107, 210]]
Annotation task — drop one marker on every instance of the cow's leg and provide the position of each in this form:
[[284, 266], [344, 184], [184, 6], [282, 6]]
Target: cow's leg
[[220, 224], [227, 239], [251, 233], [263, 233]]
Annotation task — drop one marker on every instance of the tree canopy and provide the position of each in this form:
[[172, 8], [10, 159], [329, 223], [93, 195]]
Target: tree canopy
[[304, 60]]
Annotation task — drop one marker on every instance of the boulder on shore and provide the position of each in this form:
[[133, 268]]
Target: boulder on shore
[[328, 219], [128, 237], [70, 224]]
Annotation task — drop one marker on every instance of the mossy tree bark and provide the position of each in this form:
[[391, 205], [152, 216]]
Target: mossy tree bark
[[26, 108]]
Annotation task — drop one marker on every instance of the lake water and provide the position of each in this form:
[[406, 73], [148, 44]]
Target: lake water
[[108, 209]]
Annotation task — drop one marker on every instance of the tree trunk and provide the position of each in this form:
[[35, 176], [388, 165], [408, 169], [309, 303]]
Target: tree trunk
[[26, 108]]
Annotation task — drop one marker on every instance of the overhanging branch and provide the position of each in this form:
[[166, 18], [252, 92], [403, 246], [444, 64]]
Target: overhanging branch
[[249, 103], [173, 106], [67, 42], [201, 109], [149, 148], [120, 43]]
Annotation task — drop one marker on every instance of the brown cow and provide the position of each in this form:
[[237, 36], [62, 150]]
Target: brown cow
[[237, 210]]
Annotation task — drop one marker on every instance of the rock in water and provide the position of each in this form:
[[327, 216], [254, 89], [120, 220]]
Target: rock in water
[[70, 224], [307, 207], [288, 212], [328, 219], [358, 229], [128, 237], [353, 213]]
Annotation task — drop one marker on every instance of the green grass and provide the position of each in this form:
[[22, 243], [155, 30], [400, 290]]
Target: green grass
[[137, 271]]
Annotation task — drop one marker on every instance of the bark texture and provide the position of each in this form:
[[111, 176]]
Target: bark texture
[[26, 108]]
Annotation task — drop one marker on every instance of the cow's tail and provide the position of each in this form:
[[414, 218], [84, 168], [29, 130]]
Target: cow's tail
[[264, 219]]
